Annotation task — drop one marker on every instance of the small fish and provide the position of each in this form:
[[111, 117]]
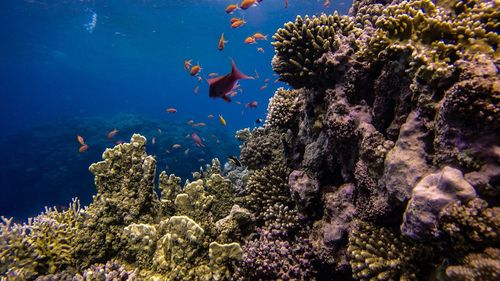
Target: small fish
[[245, 4], [238, 23], [277, 80], [234, 160], [119, 142], [266, 80], [187, 64], [260, 50], [197, 140], [232, 94], [232, 20], [286, 4], [159, 131], [112, 133], [190, 122], [187, 136], [257, 76], [83, 148], [259, 36], [220, 86], [201, 160], [200, 79], [222, 43], [186, 152], [252, 104], [237, 102], [153, 141], [196, 89], [210, 116], [167, 151], [171, 110], [258, 121], [176, 146], [80, 140], [201, 124], [195, 70], [326, 3], [249, 40], [213, 74], [230, 8], [222, 120], [263, 87]]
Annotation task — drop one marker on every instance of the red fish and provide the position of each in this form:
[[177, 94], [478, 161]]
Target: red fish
[[220, 86], [197, 140], [196, 89], [171, 110], [326, 3], [112, 133], [252, 104], [286, 3], [83, 148], [263, 87], [187, 64]]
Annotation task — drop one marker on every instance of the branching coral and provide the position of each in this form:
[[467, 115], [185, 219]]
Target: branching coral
[[378, 254], [473, 222], [264, 146], [44, 245], [483, 266], [267, 187], [301, 43], [283, 108]]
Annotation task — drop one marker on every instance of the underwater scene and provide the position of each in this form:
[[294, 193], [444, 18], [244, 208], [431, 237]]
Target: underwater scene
[[248, 140]]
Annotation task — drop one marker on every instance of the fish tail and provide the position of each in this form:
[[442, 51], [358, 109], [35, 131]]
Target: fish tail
[[238, 74]]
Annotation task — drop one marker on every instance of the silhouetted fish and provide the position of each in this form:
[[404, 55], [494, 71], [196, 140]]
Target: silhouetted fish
[[234, 160], [222, 85]]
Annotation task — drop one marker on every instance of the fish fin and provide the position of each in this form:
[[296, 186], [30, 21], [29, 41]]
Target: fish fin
[[238, 74], [226, 98]]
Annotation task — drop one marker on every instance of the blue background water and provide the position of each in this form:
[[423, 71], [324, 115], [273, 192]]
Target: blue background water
[[57, 80]]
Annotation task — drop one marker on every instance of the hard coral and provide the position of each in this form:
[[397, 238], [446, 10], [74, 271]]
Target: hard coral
[[301, 43], [483, 266], [378, 254], [264, 146], [283, 108]]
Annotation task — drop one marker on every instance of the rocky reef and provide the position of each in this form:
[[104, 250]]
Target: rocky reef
[[383, 163]]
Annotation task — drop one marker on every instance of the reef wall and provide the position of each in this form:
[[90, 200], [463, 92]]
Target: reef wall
[[383, 163]]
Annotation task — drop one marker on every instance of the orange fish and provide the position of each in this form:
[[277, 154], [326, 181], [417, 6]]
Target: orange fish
[[263, 87], [196, 89], [83, 148], [237, 23], [230, 8], [176, 146], [259, 36], [213, 74], [260, 50], [326, 3], [171, 110], [210, 116], [80, 140], [187, 64], [250, 40], [112, 133], [195, 70], [220, 47], [245, 4]]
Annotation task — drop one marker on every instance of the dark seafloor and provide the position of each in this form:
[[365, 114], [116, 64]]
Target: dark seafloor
[[382, 164]]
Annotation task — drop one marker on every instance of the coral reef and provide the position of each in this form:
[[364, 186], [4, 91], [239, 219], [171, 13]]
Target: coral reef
[[388, 147]]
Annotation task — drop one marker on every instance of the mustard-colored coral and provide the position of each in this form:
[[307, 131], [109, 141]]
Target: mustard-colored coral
[[483, 266], [378, 254], [283, 108]]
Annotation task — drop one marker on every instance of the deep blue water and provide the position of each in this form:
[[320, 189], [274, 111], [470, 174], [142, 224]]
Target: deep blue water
[[58, 79]]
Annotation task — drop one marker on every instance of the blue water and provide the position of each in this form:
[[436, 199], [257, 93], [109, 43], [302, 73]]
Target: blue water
[[60, 77]]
